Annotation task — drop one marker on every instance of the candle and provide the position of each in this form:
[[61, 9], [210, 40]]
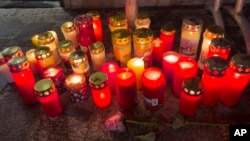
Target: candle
[[48, 98], [153, 87], [65, 49], [24, 79], [100, 89], [211, 32], [137, 65], [158, 49], [213, 79], [97, 24], [47, 39], [142, 40], [121, 40], [44, 58], [167, 35], [126, 88], [76, 87], [117, 21], [142, 20], [34, 40], [186, 68], [169, 60], [237, 79], [79, 62], [190, 96], [4, 70], [31, 57], [190, 36], [69, 33], [97, 52], [85, 32], [131, 12], [57, 76], [11, 52], [219, 47], [110, 68]]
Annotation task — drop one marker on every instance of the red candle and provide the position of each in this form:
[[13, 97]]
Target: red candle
[[126, 88], [237, 78], [169, 60], [24, 78], [158, 49], [213, 79], [100, 89], [110, 68], [190, 96], [153, 87], [186, 68], [219, 47], [57, 76], [167, 35], [97, 25], [48, 98]]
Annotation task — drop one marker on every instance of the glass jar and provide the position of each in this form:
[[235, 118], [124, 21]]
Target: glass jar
[[69, 33], [117, 21], [97, 52]]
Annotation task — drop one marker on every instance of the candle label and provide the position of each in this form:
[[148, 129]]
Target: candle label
[[151, 102], [188, 47], [79, 96]]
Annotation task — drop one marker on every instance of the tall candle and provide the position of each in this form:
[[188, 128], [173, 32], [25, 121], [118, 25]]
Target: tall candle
[[213, 79], [79, 62], [97, 52], [142, 20], [167, 35], [4, 70], [48, 98], [153, 88], [110, 68], [57, 76], [137, 65], [169, 60], [76, 87], [100, 89], [97, 25], [190, 96], [186, 68], [158, 49], [69, 33], [237, 79], [11, 52], [219, 47], [24, 78], [126, 88], [65, 49]]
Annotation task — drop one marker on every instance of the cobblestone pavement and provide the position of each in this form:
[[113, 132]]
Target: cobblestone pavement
[[85, 121]]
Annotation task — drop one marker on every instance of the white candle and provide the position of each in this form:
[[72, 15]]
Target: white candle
[[69, 33], [97, 52]]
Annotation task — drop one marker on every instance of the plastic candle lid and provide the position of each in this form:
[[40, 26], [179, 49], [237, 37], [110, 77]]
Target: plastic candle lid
[[44, 87], [192, 24], [96, 47], [240, 63], [168, 29], [118, 19], [121, 36], [18, 64], [216, 66], [68, 26], [42, 52], [98, 80], [45, 38], [143, 35], [214, 31], [192, 86], [221, 43], [65, 46], [78, 55]]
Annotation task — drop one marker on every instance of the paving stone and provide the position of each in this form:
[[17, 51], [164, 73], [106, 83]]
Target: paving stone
[[10, 29]]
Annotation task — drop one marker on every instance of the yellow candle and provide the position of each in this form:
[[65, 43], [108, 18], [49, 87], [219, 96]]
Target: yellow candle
[[31, 57], [137, 65]]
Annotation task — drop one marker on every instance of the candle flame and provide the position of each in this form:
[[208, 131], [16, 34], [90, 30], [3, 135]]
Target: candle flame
[[171, 58], [186, 65], [111, 68], [51, 72], [76, 79], [152, 75], [102, 95]]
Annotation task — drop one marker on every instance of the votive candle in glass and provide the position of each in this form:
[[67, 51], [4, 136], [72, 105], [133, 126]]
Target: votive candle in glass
[[142, 20], [211, 32], [126, 88], [31, 57], [44, 58], [137, 65], [76, 87], [237, 79], [79, 62], [185, 68], [100, 89], [56, 74], [97, 52], [47, 39], [24, 78], [213, 79], [121, 40], [158, 49], [48, 98], [153, 88], [11, 52], [190, 96], [169, 60], [97, 25], [167, 35], [34, 40], [117, 21], [142, 40], [65, 49], [219, 47], [190, 36], [110, 68], [69, 33], [4, 70]]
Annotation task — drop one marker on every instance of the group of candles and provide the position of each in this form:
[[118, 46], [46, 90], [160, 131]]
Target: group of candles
[[84, 43]]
